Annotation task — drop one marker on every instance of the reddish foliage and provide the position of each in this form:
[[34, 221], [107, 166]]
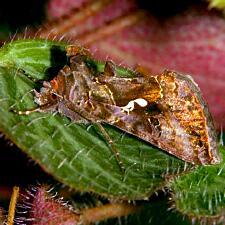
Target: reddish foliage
[[120, 7], [87, 18], [58, 8], [40, 208]]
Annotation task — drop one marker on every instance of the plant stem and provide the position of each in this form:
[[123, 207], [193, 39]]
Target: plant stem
[[113, 210], [12, 205]]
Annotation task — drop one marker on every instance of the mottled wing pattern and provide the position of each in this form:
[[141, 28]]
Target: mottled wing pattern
[[179, 122], [194, 136], [166, 110]]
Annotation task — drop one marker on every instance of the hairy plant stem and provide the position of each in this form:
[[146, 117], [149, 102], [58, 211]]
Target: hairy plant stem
[[113, 210]]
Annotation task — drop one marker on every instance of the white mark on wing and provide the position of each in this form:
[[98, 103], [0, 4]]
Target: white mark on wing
[[130, 106], [141, 102]]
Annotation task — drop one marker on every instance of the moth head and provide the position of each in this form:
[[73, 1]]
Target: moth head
[[47, 94]]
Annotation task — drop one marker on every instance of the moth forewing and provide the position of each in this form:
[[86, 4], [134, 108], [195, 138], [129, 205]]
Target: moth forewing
[[194, 136]]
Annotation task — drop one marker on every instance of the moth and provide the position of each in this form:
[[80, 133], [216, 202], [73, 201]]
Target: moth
[[166, 110]]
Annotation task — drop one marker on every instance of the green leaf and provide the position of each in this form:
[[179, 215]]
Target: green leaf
[[36, 58], [201, 193], [219, 4], [75, 154]]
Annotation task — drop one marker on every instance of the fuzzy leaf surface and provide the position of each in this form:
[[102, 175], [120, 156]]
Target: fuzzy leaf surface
[[201, 193]]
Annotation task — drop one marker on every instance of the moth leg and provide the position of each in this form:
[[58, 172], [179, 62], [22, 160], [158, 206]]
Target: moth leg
[[114, 150]]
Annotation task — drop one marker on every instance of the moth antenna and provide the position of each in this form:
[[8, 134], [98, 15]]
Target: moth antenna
[[114, 150], [27, 112]]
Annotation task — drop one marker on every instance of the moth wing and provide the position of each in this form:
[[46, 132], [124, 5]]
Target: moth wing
[[178, 123], [153, 129]]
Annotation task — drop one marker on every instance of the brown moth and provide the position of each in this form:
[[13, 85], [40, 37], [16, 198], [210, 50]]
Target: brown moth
[[166, 110]]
